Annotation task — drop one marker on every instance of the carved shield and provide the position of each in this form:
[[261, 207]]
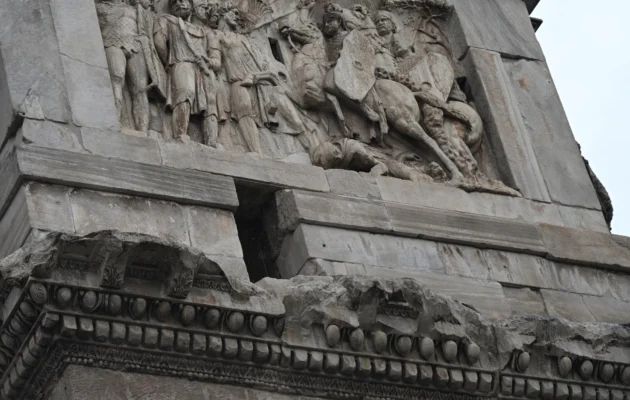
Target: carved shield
[[433, 73], [354, 72]]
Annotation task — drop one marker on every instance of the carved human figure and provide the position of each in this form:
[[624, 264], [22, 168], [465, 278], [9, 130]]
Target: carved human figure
[[381, 100], [358, 17], [388, 45], [436, 73], [246, 72], [190, 59], [344, 153], [126, 30], [309, 64], [335, 30], [202, 10]]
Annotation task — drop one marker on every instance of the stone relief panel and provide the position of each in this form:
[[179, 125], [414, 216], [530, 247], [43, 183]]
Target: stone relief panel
[[369, 86]]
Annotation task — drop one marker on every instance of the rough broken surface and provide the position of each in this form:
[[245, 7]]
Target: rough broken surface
[[311, 304], [40, 256]]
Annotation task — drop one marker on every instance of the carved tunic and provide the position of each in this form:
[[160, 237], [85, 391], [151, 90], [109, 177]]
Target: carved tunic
[[238, 59], [239, 63], [186, 44], [119, 24]]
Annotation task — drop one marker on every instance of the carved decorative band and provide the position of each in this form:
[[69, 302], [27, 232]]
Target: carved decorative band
[[170, 337]]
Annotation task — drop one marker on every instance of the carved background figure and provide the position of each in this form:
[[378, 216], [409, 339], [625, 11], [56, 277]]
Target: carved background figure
[[244, 73], [126, 30], [282, 82], [189, 58]]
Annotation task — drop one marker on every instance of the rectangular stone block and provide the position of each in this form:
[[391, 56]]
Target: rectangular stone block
[[608, 309], [9, 176], [113, 144], [449, 198], [498, 25], [213, 231], [582, 218], [515, 269], [584, 247], [464, 261], [294, 207], [351, 183], [556, 150], [8, 116], [334, 244], [581, 279], [176, 154], [51, 134], [524, 301], [122, 176], [570, 306], [90, 95], [453, 226], [484, 296], [14, 225], [79, 37], [509, 139], [264, 171], [31, 61], [49, 207], [95, 211]]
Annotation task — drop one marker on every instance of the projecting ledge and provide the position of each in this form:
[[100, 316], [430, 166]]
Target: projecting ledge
[[390, 220], [113, 175]]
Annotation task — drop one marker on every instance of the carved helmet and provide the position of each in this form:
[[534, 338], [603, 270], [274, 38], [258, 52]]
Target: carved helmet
[[332, 12], [388, 15]]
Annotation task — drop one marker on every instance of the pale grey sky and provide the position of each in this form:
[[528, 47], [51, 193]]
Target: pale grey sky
[[586, 46]]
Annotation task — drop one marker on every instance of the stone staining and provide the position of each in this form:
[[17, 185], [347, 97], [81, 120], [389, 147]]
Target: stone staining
[[370, 87]]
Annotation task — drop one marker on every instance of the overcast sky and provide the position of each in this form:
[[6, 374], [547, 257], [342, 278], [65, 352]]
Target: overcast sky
[[587, 46]]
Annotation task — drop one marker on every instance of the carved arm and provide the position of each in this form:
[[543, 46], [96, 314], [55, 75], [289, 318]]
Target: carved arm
[[160, 40]]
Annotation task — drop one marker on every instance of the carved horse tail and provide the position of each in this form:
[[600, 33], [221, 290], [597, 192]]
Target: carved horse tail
[[473, 135]]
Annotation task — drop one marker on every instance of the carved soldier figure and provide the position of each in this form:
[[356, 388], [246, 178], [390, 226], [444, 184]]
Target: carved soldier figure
[[126, 31], [335, 30], [389, 47], [190, 61], [245, 72]]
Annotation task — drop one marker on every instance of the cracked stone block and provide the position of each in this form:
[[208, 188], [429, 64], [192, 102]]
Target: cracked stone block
[[501, 26]]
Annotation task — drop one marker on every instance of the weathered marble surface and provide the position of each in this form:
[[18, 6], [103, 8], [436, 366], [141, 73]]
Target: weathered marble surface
[[123, 243], [496, 25], [80, 383], [338, 327], [472, 275]]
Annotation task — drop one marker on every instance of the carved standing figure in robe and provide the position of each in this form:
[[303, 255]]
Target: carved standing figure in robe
[[126, 30], [191, 61], [245, 71]]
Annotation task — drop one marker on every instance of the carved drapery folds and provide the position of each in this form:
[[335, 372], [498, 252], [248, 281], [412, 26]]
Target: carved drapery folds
[[370, 87]]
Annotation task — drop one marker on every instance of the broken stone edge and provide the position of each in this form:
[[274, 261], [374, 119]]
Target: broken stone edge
[[341, 337]]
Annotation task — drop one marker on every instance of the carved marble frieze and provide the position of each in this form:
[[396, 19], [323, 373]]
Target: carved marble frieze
[[344, 337], [369, 86]]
